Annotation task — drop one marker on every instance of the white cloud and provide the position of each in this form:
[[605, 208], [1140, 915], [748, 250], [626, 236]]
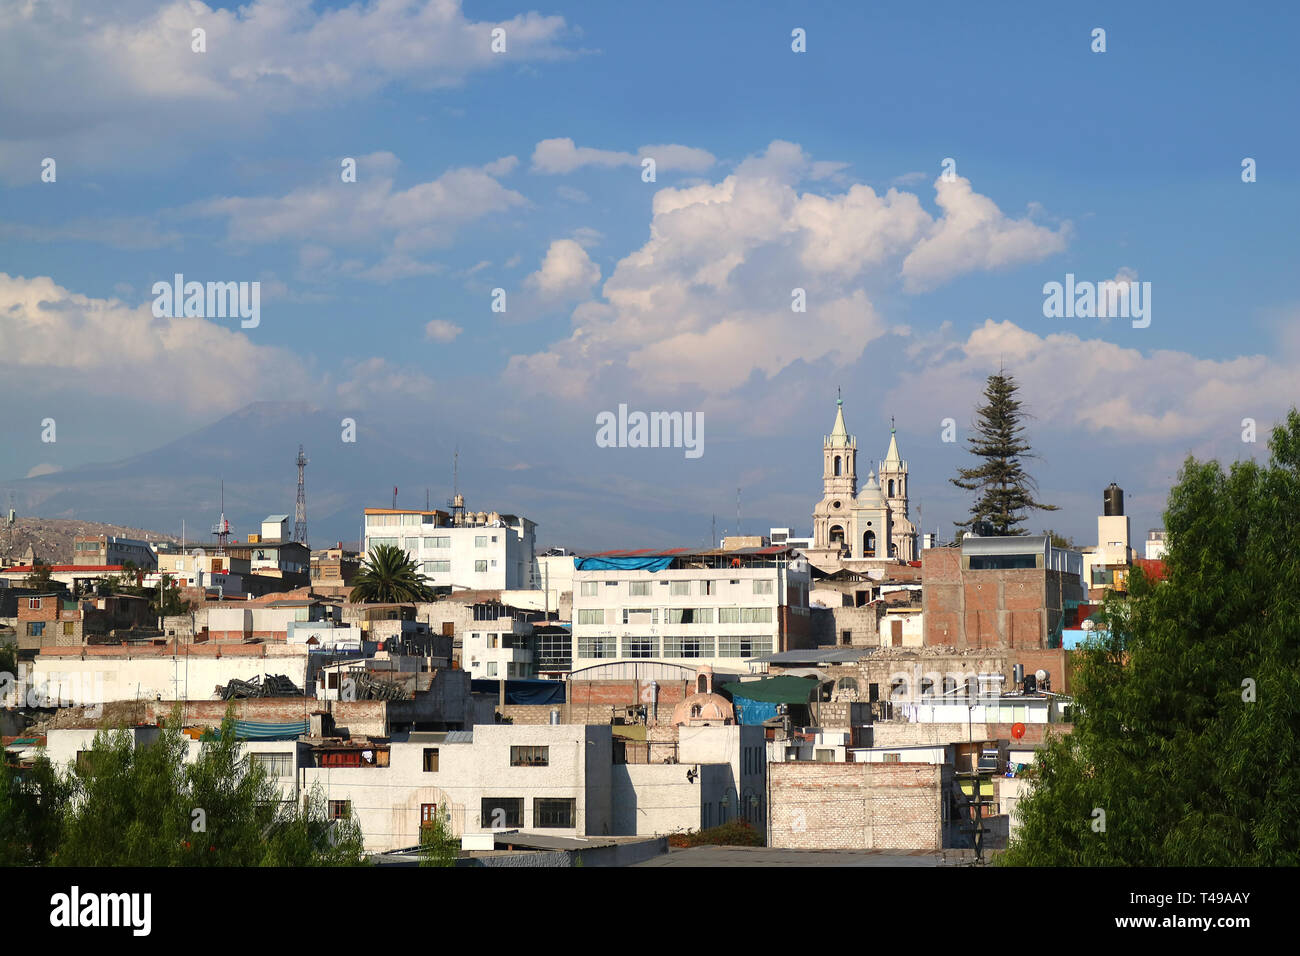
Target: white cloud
[[570, 194], [55, 338], [705, 304], [973, 234], [45, 468], [561, 155], [440, 330], [377, 382], [111, 75], [566, 273]]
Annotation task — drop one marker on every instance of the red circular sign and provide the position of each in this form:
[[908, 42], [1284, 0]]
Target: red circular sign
[[1017, 730]]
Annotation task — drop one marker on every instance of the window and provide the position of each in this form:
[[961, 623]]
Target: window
[[598, 647], [762, 586], [641, 647], [589, 588], [530, 756], [430, 759], [276, 765], [69, 628], [591, 616], [728, 615], [428, 814], [552, 814], [33, 604], [731, 646], [85, 761], [501, 812], [437, 541], [480, 541], [437, 567], [35, 628], [825, 756], [638, 615], [340, 809], [679, 588], [492, 669], [480, 566], [427, 519], [891, 758], [708, 587], [376, 542], [638, 588], [689, 647]]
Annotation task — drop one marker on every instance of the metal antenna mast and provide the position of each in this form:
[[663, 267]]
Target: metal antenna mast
[[300, 515]]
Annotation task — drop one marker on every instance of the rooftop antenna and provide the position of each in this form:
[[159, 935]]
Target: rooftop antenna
[[456, 503], [394, 497], [222, 528], [737, 512], [713, 533], [300, 515]]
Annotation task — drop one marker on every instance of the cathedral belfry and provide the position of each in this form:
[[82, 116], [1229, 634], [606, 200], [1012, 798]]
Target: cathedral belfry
[[870, 524]]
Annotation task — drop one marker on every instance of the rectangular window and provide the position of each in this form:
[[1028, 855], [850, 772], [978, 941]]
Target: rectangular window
[[641, 647], [591, 616], [708, 587], [589, 588], [755, 615], [598, 647], [494, 640], [33, 604], [276, 765], [679, 588], [638, 588], [35, 628], [437, 541], [85, 761], [492, 669], [728, 615], [340, 809], [376, 542], [731, 646], [69, 628], [762, 586], [553, 814], [637, 615], [427, 519], [480, 541], [430, 759], [411, 544], [428, 814], [437, 567], [480, 566], [530, 756], [501, 812], [689, 647]]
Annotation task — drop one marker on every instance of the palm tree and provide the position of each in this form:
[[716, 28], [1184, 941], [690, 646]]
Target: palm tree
[[388, 576]]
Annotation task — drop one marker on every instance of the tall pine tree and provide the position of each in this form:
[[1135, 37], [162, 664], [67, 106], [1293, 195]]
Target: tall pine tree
[[1005, 489]]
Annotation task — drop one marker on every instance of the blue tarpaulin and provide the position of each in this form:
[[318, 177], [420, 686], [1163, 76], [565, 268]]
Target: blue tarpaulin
[[523, 691], [623, 564], [753, 712]]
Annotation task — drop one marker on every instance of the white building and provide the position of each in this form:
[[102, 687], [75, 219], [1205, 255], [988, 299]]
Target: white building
[[713, 607], [462, 550], [497, 643], [1156, 545]]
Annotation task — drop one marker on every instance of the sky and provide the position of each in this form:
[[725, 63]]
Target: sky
[[920, 172]]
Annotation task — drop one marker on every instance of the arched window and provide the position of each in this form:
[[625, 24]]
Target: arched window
[[898, 689], [949, 687], [695, 710], [837, 465], [702, 684], [846, 685], [837, 534], [891, 487], [869, 544]]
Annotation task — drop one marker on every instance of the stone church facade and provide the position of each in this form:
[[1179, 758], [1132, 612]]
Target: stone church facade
[[871, 524]]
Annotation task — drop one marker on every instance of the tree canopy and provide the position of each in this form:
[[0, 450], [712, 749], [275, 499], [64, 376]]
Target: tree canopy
[[389, 576], [1005, 489], [1186, 742]]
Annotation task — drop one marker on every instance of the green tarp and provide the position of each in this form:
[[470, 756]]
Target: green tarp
[[775, 690]]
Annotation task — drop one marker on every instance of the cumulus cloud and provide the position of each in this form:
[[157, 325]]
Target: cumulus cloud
[[57, 338], [706, 302], [566, 273], [562, 155], [973, 234], [114, 74], [1099, 387], [377, 382]]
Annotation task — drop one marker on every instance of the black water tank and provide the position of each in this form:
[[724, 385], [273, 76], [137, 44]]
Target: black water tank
[[1113, 501]]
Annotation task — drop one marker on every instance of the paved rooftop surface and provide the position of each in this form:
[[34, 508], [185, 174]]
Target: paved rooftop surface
[[766, 856]]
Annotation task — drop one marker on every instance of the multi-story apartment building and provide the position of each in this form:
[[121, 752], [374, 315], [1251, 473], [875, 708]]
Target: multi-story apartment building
[[704, 607], [460, 550], [99, 550], [498, 643]]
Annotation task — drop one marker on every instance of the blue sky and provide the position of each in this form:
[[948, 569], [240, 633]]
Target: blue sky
[[476, 171]]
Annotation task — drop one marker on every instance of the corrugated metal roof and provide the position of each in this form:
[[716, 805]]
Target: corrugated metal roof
[[829, 655], [459, 737]]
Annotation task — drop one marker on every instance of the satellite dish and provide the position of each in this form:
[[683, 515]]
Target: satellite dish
[[1089, 625]]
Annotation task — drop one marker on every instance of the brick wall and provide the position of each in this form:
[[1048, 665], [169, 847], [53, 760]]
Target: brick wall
[[856, 805], [897, 733]]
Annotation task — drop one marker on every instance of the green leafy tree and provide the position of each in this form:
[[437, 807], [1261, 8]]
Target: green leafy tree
[[166, 598], [438, 845], [1059, 540], [388, 575], [1186, 742], [39, 577], [1005, 489], [32, 805], [8, 659]]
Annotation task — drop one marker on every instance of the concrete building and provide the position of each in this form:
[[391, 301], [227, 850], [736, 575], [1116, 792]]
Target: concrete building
[[498, 642], [999, 592], [689, 607], [1156, 544], [56, 620], [460, 550], [104, 549]]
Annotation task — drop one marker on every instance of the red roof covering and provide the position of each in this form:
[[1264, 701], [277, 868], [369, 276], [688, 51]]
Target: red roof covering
[[1153, 568], [27, 568]]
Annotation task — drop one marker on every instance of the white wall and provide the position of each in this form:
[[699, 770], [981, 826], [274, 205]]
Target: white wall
[[102, 679]]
